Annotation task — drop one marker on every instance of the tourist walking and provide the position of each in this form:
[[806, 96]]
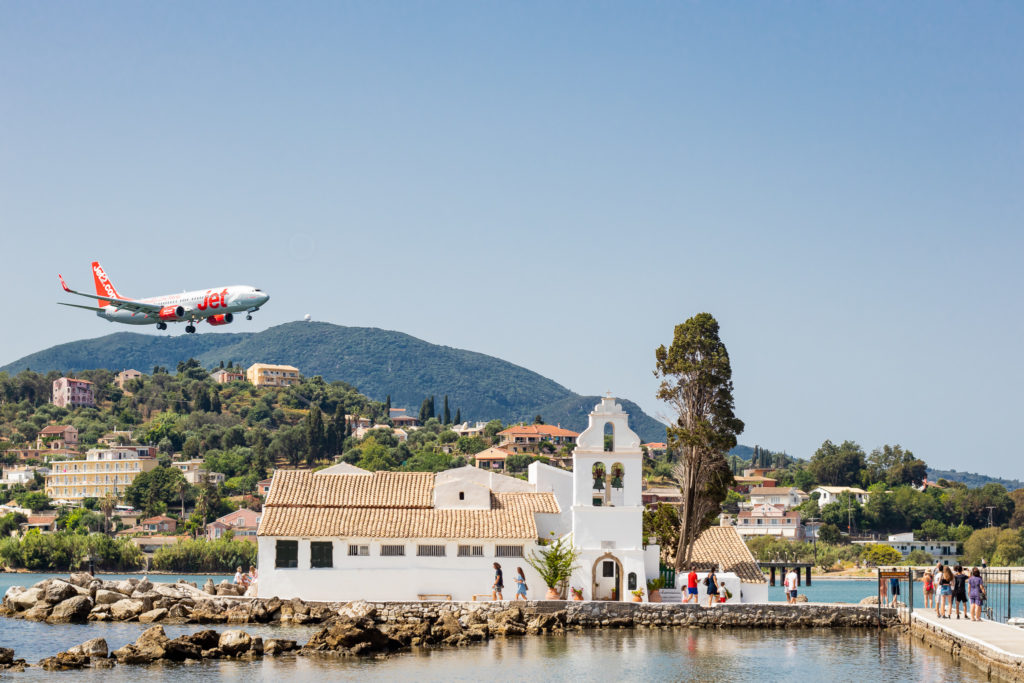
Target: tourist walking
[[976, 592], [929, 589], [945, 593], [499, 583], [711, 583], [790, 583], [520, 584], [691, 587], [894, 590], [960, 591], [936, 582]]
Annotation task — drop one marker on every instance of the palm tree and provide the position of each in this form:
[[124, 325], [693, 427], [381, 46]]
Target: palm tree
[[182, 491], [107, 505]]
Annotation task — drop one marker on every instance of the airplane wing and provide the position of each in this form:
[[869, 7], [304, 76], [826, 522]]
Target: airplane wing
[[88, 308], [126, 304]]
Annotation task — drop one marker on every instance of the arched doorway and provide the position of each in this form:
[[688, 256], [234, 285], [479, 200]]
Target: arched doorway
[[606, 578]]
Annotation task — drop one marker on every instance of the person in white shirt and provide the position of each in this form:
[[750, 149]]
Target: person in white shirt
[[791, 581]]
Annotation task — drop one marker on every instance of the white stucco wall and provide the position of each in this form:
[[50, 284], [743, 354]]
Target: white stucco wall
[[393, 578]]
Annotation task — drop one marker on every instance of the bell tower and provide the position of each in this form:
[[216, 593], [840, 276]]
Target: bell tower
[[607, 510]]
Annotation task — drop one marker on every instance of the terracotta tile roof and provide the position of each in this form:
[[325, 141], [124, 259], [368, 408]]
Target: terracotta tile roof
[[721, 546], [55, 429], [493, 453], [656, 445], [158, 519], [511, 516], [379, 490], [390, 505], [537, 430]]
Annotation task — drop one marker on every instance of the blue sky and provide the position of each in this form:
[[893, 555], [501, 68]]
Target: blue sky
[[556, 184]]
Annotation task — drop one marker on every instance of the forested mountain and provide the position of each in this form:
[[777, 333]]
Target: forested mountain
[[378, 362], [972, 480]]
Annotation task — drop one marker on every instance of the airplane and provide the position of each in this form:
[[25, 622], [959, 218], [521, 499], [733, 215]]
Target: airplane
[[216, 306]]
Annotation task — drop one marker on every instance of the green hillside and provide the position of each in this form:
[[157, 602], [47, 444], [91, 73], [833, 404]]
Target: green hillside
[[378, 362]]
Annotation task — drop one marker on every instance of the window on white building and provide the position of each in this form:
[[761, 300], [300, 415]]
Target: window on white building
[[471, 551], [392, 550], [430, 551], [359, 550], [287, 555], [321, 554], [508, 551]]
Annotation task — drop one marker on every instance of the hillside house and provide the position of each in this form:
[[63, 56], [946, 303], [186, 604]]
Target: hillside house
[[767, 520], [118, 437], [57, 437], [786, 496], [223, 376], [266, 375], [492, 458], [125, 376], [830, 494], [470, 429], [529, 438], [103, 471], [194, 473], [69, 392], [161, 524], [400, 418], [243, 523]]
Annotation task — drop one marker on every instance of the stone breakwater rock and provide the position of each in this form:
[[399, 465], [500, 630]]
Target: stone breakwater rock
[[95, 648], [64, 661], [9, 663], [73, 610]]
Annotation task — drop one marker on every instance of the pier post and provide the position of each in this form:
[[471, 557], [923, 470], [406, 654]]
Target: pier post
[[771, 581], [808, 576]]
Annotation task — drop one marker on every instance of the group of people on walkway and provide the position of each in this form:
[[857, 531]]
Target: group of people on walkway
[[715, 588], [499, 583], [946, 588]]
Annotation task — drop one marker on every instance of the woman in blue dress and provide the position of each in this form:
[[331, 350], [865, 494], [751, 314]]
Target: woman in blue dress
[[520, 584]]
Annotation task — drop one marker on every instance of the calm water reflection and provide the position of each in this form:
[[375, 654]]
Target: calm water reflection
[[686, 655]]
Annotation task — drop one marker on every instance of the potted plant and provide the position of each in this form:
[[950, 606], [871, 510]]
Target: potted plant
[[577, 593], [555, 564], [638, 595], [654, 587]]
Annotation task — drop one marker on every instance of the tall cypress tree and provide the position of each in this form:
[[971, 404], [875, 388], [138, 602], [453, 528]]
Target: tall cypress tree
[[696, 380], [314, 435], [447, 413], [458, 416], [387, 408]]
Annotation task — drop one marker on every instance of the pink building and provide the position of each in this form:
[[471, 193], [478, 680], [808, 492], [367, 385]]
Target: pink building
[[243, 523], [69, 392]]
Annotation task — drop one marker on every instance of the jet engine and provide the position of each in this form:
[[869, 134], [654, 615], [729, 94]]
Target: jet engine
[[220, 319], [172, 313]]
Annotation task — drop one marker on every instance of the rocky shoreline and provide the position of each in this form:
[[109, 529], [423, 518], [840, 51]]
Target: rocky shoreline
[[358, 628]]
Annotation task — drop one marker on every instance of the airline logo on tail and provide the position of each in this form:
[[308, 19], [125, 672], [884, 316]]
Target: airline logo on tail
[[103, 284]]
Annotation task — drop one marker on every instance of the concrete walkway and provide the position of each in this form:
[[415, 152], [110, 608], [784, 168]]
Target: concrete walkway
[[1007, 639]]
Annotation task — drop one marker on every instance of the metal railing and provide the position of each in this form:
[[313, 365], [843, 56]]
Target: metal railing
[[996, 605]]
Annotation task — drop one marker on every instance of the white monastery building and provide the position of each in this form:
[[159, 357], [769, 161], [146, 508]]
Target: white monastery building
[[346, 534]]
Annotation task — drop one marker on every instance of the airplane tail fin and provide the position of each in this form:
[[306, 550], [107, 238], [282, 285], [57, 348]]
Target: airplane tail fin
[[103, 283]]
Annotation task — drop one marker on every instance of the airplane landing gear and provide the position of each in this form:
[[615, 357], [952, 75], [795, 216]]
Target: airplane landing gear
[[161, 326], [190, 328]]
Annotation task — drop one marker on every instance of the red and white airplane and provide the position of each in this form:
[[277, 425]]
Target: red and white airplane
[[216, 306]]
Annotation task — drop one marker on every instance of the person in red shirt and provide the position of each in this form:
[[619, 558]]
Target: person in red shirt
[[691, 586]]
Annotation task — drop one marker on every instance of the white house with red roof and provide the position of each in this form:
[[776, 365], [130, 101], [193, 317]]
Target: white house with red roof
[[528, 438]]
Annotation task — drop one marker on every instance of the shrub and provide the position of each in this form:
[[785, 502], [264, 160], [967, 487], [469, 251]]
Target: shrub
[[201, 555]]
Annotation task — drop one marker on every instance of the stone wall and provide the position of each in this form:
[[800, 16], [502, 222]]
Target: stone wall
[[995, 663], [583, 615]]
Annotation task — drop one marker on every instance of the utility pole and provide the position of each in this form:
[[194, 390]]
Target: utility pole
[[990, 508]]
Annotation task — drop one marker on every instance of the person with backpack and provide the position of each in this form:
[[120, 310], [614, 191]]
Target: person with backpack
[[711, 584], [960, 590]]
